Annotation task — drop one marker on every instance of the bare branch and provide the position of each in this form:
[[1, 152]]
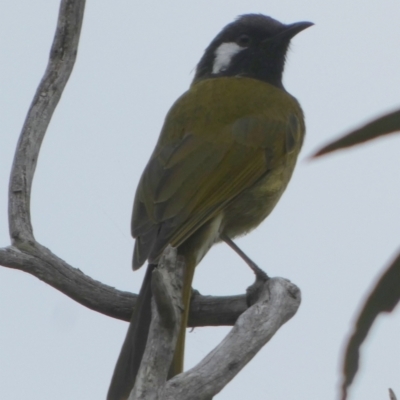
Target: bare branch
[[278, 301], [166, 285], [41, 263], [62, 59]]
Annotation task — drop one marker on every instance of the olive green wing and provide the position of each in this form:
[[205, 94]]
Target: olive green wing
[[189, 181]]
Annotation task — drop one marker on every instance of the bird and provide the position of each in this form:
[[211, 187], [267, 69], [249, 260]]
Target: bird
[[225, 154]]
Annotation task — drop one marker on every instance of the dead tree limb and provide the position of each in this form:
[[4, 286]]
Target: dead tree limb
[[43, 264], [166, 309], [61, 62], [277, 302]]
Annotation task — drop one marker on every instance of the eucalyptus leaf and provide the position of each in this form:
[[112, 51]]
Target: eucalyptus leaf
[[383, 298], [389, 123], [392, 395]]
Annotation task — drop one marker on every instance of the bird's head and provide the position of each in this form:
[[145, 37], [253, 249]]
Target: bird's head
[[253, 46]]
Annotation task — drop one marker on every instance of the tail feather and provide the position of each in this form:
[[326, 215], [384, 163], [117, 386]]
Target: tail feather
[[132, 350], [179, 355]]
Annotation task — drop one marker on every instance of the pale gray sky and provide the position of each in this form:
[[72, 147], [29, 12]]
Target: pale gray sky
[[335, 227]]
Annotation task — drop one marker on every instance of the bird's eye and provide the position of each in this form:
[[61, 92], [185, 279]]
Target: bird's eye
[[243, 40]]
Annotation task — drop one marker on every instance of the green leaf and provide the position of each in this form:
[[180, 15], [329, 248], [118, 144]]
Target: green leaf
[[383, 298], [382, 126]]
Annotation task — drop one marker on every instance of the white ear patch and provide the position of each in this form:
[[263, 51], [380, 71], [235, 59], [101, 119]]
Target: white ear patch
[[224, 54]]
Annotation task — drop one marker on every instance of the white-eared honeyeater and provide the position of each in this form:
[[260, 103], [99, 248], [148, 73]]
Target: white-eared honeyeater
[[225, 155]]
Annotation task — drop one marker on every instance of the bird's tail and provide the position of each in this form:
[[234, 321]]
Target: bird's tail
[[132, 350], [134, 345], [177, 362]]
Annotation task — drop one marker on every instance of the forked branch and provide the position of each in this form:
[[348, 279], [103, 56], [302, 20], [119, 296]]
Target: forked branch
[[277, 302]]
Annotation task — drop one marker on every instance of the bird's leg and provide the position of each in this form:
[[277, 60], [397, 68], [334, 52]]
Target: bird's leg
[[260, 274]]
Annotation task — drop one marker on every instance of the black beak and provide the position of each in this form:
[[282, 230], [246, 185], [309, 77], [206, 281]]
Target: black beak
[[289, 31], [293, 29]]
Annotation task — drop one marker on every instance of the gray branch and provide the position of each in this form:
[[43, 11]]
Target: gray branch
[[166, 307], [61, 62], [43, 264], [277, 302]]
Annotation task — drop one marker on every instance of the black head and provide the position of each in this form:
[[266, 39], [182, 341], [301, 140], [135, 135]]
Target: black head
[[254, 46]]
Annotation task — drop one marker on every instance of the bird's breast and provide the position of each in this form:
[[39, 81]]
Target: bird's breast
[[253, 205]]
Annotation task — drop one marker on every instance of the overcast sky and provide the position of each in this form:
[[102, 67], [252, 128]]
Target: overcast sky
[[336, 226]]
